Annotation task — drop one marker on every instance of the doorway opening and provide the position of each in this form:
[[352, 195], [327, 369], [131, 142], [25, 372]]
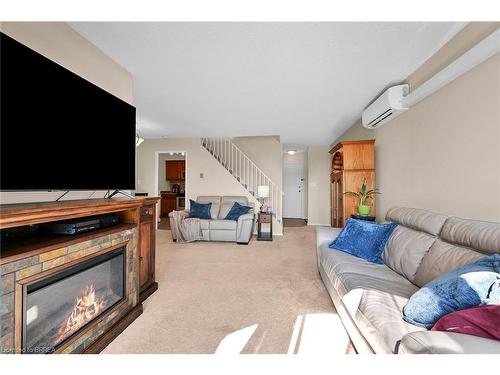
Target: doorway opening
[[295, 189], [171, 167]]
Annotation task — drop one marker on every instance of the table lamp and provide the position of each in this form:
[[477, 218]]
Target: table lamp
[[262, 194]]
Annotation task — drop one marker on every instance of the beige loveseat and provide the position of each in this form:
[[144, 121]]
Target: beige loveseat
[[218, 229], [369, 297]]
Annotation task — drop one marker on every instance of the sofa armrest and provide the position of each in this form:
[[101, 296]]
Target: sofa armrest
[[244, 228], [326, 234], [185, 211], [436, 342]]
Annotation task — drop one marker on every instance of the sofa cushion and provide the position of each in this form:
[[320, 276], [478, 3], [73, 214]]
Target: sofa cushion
[[227, 203], [223, 225], [441, 258], [461, 242], [421, 220], [405, 250], [347, 272], [363, 239], [472, 285], [380, 319], [215, 200], [478, 235]]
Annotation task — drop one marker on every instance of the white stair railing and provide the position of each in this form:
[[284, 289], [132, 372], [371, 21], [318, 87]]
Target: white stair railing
[[244, 170]]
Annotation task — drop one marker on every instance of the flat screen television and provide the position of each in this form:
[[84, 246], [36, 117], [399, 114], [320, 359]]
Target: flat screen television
[[58, 130]]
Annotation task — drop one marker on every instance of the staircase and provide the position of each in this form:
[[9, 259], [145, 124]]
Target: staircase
[[244, 170]]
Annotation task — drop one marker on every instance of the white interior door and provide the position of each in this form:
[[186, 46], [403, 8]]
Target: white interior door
[[293, 197]]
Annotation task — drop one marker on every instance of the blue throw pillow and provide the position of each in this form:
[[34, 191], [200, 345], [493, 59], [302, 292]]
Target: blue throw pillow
[[364, 239], [236, 211], [472, 285], [199, 210]]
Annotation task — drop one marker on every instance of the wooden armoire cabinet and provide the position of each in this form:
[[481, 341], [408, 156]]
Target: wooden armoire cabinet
[[353, 162], [147, 248]]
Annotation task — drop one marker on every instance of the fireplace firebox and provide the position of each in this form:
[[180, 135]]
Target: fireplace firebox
[[59, 305]]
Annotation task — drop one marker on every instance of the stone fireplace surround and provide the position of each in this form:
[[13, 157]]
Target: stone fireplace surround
[[94, 336]]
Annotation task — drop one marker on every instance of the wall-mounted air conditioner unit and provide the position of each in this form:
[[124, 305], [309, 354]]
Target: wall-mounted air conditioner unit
[[386, 107], [396, 100]]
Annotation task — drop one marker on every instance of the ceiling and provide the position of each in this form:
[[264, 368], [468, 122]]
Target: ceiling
[[305, 82]]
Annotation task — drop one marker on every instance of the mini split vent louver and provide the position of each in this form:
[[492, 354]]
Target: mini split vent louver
[[385, 108]]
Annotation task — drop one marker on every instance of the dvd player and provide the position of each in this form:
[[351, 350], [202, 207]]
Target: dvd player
[[80, 225]]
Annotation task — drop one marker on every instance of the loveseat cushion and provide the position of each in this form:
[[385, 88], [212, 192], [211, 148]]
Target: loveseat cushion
[[204, 224], [223, 225]]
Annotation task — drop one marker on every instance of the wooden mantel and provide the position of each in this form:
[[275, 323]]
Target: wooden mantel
[[14, 215], [35, 253]]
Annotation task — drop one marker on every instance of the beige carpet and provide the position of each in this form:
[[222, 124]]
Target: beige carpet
[[266, 297]]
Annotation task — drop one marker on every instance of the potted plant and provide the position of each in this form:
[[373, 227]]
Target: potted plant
[[363, 194]]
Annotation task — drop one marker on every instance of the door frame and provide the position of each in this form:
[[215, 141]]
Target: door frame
[[157, 177], [303, 203]]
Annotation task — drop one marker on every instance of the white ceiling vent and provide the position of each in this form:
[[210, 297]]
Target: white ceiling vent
[[386, 107]]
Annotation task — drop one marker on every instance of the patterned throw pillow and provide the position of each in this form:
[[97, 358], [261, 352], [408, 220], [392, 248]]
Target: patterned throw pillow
[[199, 210], [236, 211], [364, 239], [472, 285]]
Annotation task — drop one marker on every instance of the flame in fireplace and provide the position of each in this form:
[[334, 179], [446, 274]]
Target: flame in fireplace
[[87, 307]]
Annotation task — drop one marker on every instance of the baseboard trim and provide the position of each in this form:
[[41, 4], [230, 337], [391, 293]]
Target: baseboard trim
[[319, 225], [148, 291]]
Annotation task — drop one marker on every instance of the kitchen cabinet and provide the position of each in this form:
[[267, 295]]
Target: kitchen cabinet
[[168, 203], [175, 170]]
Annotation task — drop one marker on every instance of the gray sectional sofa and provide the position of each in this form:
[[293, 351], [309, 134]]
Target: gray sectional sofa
[[218, 229], [369, 297]]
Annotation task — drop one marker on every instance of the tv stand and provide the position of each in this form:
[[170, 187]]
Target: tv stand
[[109, 196]]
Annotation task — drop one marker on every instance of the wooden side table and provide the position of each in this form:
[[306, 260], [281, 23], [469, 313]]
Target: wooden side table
[[264, 218]]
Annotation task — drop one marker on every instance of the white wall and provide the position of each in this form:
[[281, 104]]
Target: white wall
[[60, 43], [266, 152], [319, 162], [444, 153]]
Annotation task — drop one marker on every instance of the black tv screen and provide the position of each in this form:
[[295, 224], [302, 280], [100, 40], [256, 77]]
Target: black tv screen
[[59, 131]]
